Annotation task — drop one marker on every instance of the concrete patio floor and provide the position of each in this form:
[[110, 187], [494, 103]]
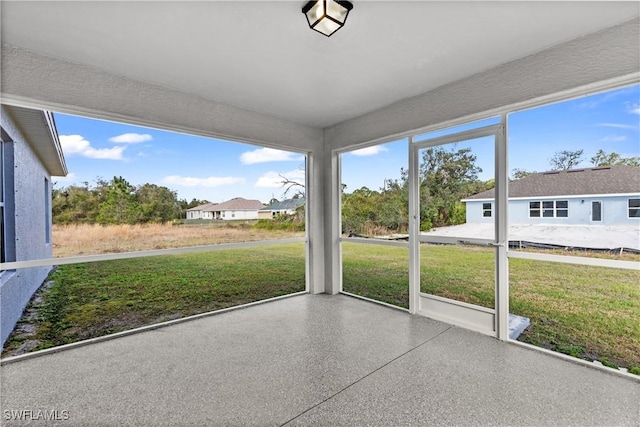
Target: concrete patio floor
[[314, 360]]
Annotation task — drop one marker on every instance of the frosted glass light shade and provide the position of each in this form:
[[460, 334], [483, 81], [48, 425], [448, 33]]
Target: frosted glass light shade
[[327, 16]]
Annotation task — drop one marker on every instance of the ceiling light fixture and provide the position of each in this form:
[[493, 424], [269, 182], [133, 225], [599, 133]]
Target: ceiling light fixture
[[326, 16]]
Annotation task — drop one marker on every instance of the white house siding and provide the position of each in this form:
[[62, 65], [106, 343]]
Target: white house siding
[[236, 215], [32, 223], [614, 211]]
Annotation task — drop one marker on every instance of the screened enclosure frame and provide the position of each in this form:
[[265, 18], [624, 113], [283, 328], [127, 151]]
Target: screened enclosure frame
[[491, 322]]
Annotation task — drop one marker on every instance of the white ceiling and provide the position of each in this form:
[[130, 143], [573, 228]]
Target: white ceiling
[[263, 57]]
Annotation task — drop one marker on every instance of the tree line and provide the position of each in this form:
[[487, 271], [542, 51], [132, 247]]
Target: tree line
[[446, 176], [117, 202]]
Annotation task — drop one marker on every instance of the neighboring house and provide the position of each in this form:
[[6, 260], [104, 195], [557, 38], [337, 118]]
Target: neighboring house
[[285, 207], [30, 154], [607, 195], [201, 212], [234, 209]]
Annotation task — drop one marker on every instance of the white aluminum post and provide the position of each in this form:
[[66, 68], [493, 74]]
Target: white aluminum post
[[337, 211], [309, 268], [501, 232], [414, 229]]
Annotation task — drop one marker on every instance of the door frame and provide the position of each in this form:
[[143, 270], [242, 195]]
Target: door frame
[[601, 212], [494, 322]]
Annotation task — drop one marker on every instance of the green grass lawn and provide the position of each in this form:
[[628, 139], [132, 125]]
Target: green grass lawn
[[588, 312], [94, 299]]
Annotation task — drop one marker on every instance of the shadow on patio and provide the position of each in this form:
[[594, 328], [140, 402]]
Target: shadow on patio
[[313, 360]]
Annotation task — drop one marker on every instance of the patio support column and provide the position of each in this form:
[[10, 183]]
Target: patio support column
[[501, 232], [315, 222], [332, 223]]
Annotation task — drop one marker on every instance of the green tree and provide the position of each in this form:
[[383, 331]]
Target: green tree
[[359, 210], [393, 209], [184, 205], [520, 173], [75, 204], [119, 205], [156, 204], [446, 177], [602, 158], [565, 159]]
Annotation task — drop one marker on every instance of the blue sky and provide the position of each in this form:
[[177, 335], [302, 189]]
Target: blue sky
[[216, 170], [194, 167], [609, 121]]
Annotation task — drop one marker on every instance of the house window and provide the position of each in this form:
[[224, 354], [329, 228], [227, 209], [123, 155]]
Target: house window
[[534, 209], [486, 210], [549, 209], [634, 208], [562, 208], [3, 245], [7, 222], [47, 212]]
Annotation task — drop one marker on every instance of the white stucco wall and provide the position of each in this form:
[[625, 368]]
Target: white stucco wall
[[614, 211], [236, 215], [193, 214], [17, 286]]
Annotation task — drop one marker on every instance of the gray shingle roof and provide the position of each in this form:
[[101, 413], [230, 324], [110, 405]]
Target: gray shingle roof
[[239, 204], [206, 207], [574, 182], [235, 204], [290, 204]]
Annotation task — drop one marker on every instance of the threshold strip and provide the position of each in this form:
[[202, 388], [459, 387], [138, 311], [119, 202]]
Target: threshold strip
[[366, 376]]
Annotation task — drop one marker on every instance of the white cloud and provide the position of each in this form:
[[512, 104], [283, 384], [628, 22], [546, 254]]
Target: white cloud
[[370, 151], [212, 181], [263, 155], [76, 144], [613, 138], [617, 126], [131, 138], [274, 179], [635, 109]]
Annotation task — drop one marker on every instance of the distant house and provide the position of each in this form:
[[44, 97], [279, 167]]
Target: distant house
[[202, 212], [30, 153], [234, 209], [285, 207], [593, 196]]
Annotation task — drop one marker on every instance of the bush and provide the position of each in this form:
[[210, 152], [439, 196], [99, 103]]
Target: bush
[[281, 222]]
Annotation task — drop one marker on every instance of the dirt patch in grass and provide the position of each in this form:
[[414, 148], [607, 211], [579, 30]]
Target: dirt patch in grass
[[24, 337]]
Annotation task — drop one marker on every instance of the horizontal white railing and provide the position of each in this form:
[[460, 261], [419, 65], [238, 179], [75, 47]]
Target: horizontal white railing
[[580, 260], [141, 254]]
